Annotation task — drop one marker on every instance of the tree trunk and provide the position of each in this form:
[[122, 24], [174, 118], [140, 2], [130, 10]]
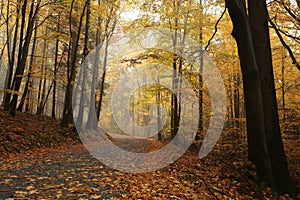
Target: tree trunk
[[158, 100], [23, 51], [75, 36], [85, 53], [236, 99], [25, 93], [283, 90], [11, 55], [92, 118], [231, 102], [174, 102], [109, 32], [55, 69], [257, 145], [258, 18], [200, 111], [42, 89], [102, 80]]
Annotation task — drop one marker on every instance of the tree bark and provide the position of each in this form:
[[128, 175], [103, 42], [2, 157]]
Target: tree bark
[[158, 101], [200, 111], [85, 53], [236, 99], [257, 145], [67, 113], [258, 19], [11, 55], [42, 84], [102, 80], [55, 69], [25, 93], [174, 102], [109, 31], [92, 117], [23, 50]]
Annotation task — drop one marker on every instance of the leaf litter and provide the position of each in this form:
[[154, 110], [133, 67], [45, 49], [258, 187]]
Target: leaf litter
[[69, 171]]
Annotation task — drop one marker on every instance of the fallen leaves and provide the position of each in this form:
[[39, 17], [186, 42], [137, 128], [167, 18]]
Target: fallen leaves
[[70, 172], [26, 132], [74, 173]]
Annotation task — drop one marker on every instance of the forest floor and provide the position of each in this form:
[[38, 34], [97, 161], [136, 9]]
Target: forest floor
[[38, 160]]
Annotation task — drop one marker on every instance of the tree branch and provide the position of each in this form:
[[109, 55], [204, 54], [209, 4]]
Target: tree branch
[[285, 45], [293, 15], [216, 29], [297, 39]]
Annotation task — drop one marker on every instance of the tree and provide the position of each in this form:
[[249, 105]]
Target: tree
[[55, 67], [71, 65], [264, 138], [25, 39], [85, 53], [110, 25], [11, 52], [32, 58], [258, 19], [43, 75]]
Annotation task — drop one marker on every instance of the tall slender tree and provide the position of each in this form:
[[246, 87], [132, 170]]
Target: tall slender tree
[[71, 65], [23, 48], [85, 53], [31, 63], [11, 52]]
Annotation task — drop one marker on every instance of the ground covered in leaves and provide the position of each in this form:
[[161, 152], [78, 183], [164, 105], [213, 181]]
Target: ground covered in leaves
[[27, 132], [68, 171]]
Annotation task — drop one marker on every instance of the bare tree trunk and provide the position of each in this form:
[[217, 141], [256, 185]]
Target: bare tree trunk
[[109, 31], [85, 53], [231, 103], [42, 85], [174, 102], [67, 113], [258, 18], [40, 88], [25, 93], [44, 102], [283, 90], [102, 80], [257, 145], [23, 50], [92, 118], [200, 112], [55, 69], [236, 99], [158, 99], [29, 104], [11, 55]]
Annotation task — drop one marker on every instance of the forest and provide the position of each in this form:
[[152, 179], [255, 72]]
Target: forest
[[157, 99]]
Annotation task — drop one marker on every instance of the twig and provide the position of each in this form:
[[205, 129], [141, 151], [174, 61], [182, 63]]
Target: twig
[[210, 190], [285, 45], [297, 39], [216, 29]]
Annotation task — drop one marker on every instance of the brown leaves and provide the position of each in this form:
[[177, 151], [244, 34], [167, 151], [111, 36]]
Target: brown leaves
[[73, 173], [25, 132], [70, 172]]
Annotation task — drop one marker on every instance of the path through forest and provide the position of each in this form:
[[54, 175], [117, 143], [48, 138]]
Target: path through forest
[[70, 172]]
